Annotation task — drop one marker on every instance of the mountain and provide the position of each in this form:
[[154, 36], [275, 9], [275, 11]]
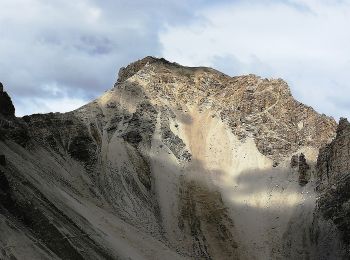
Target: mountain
[[175, 162]]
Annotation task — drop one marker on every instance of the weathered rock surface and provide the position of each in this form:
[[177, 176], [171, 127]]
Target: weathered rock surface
[[172, 163], [6, 107], [260, 108], [303, 170], [299, 162], [333, 161], [333, 172]]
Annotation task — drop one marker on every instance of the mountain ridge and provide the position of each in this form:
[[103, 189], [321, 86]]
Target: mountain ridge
[[240, 89], [172, 162]]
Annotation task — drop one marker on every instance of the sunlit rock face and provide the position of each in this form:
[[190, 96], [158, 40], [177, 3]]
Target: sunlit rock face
[[171, 163]]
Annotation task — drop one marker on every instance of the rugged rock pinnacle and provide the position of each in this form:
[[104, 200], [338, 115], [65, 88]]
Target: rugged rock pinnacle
[[6, 107]]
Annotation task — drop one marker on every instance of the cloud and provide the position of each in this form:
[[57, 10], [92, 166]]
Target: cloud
[[234, 66], [46, 105], [304, 42], [71, 50], [77, 46]]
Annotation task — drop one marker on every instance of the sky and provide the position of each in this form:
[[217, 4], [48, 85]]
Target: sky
[[55, 56]]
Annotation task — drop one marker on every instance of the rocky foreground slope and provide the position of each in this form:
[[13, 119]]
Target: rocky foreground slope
[[175, 163]]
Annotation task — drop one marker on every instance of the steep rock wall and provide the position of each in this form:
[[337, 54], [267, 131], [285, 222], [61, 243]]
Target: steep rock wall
[[333, 206]]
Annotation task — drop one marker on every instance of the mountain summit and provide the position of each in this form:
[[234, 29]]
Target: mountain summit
[[174, 162]]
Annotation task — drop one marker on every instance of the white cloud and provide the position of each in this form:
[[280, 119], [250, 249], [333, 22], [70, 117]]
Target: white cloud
[[304, 42], [76, 46], [71, 50], [34, 105]]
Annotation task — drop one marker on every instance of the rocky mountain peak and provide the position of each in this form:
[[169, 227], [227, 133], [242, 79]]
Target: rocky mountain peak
[[256, 107], [6, 106], [134, 67]]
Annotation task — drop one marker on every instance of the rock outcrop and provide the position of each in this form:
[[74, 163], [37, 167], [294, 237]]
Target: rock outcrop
[[300, 163], [333, 172], [303, 170], [173, 162], [6, 107], [334, 160]]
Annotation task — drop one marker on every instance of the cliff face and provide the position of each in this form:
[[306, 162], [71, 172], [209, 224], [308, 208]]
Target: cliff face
[[333, 172], [173, 162], [333, 161]]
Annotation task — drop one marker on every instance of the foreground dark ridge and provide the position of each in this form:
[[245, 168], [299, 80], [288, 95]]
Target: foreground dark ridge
[[175, 162]]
